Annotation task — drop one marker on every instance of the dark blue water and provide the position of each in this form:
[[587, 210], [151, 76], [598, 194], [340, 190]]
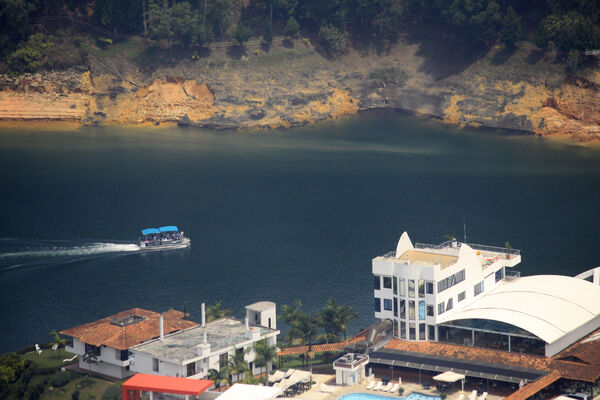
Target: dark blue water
[[275, 215]]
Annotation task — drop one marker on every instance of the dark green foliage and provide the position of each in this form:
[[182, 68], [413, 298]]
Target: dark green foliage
[[112, 393], [31, 55], [268, 34], [511, 28], [570, 31], [179, 23], [242, 33], [15, 18], [37, 391], [75, 394], [334, 40], [61, 379], [574, 59], [120, 15], [292, 28], [388, 75], [400, 391]]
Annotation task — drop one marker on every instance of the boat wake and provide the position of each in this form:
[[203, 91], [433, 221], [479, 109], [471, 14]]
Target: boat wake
[[16, 253]]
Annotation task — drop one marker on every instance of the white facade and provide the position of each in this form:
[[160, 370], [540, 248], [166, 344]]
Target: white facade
[[107, 361], [422, 286], [193, 352]]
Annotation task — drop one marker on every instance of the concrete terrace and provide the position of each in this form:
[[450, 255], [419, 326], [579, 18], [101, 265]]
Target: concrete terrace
[[220, 334]]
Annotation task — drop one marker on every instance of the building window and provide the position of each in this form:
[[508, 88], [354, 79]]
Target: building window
[[377, 304], [421, 288], [441, 308], [191, 369], [402, 308], [402, 330], [499, 274], [461, 296], [155, 364], [421, 331], [395, 306], [411, 309], [387, 282], [121, 355], [422, 310], [412, 331], [429, 287], [430, 310], [411, 288], [449, 305], [93, 350], [376, 282], [395, 285], [256, 319], [402, 287], [478, 288], [451, 281], [387, 304], [431, 332]]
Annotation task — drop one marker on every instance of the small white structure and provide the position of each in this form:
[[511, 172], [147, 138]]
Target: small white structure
[[193, 352], [241, 391], [350, 369]]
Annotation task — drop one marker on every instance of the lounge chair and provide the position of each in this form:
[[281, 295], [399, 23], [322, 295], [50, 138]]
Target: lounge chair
[[54, 347], [387, 387], [395, 388], [327, 389], [473, 395], [483, 396], [371, 385], [37, 348], [378, 386]]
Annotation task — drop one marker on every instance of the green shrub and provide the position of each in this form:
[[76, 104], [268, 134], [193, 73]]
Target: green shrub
[[334, 40], [75, 395], [112, 393], [292, 28], [61, 379], [30, 56], [400, 391], [388, 75]]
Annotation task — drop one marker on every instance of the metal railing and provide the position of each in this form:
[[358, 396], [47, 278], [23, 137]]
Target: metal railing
[[511, 275]]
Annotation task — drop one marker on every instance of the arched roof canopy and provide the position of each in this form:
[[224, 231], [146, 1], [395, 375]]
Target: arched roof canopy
[[548, 306]]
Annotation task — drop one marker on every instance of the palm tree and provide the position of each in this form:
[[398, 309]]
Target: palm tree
[[289, 314], [60, 342], [328, 319], [219, 376], [346, 314], [238, 365], [264, 354], [215, 312], [306, 329]]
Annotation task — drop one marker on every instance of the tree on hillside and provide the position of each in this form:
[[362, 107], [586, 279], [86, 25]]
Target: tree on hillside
[[215, 312], [511, 28], [334, 40], [242, 33], [292, 27]]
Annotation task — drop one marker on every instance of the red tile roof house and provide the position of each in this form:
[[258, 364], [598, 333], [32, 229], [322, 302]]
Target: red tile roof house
[[103, 345]]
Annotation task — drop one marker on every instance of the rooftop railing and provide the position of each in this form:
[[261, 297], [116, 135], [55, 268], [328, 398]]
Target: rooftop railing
[[450, 244]]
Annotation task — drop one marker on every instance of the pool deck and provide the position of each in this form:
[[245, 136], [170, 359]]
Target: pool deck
[[315, 392]]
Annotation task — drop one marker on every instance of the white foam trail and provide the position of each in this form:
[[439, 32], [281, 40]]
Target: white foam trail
[[94, 248]]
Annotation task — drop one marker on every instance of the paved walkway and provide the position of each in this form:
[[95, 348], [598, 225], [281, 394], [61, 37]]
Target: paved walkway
[[315, 392]]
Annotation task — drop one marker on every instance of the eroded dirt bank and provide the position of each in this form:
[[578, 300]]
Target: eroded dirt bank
[[522, 90]]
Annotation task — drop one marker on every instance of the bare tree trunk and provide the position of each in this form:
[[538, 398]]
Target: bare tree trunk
[[205, 11], [145, 22]]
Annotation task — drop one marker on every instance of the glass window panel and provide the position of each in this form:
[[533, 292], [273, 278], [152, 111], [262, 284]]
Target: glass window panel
[[422, 310], [421, 288], [395, 306], [402, 330], [429, 287], [411, 309], [387, 282], [402, 308], [412, 331], [377, 304], [411, 288], [421, 331], [441, 308], [402, 286], [376, 282], [395, 285], [430, 310], [387, 304], [461, 296], [431, 329]]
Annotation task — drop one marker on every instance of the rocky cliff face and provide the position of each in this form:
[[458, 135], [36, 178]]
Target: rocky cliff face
[[524, 90]]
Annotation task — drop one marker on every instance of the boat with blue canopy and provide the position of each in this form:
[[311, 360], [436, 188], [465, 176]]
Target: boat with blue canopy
[[163, 238]]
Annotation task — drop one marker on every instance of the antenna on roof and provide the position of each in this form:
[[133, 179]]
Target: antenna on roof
[[465, 230]]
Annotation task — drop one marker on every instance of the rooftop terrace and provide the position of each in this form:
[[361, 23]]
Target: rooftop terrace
[[446, 254], [220, 334]]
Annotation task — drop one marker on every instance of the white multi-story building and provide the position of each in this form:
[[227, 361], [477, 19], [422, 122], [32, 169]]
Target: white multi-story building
[[466, 294], [193, 352]]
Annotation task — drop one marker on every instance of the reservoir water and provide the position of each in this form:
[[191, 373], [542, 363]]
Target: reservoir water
[[275, 215]]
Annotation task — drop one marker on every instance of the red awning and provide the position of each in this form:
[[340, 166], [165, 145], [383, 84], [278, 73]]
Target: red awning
[[166, 384]]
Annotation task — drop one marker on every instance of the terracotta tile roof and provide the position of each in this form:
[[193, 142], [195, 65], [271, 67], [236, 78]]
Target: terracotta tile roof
[[587, 350], [287, 351], [532, 388], [105, 332]]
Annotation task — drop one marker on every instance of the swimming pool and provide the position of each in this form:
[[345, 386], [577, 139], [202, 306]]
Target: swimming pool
[[367, 396]]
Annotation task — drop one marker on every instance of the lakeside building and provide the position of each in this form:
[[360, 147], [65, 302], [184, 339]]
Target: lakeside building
[[466, 294], [103, 345], [193, 352]]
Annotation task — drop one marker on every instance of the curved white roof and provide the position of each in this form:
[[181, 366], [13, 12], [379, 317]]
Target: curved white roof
[[549, 306]]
